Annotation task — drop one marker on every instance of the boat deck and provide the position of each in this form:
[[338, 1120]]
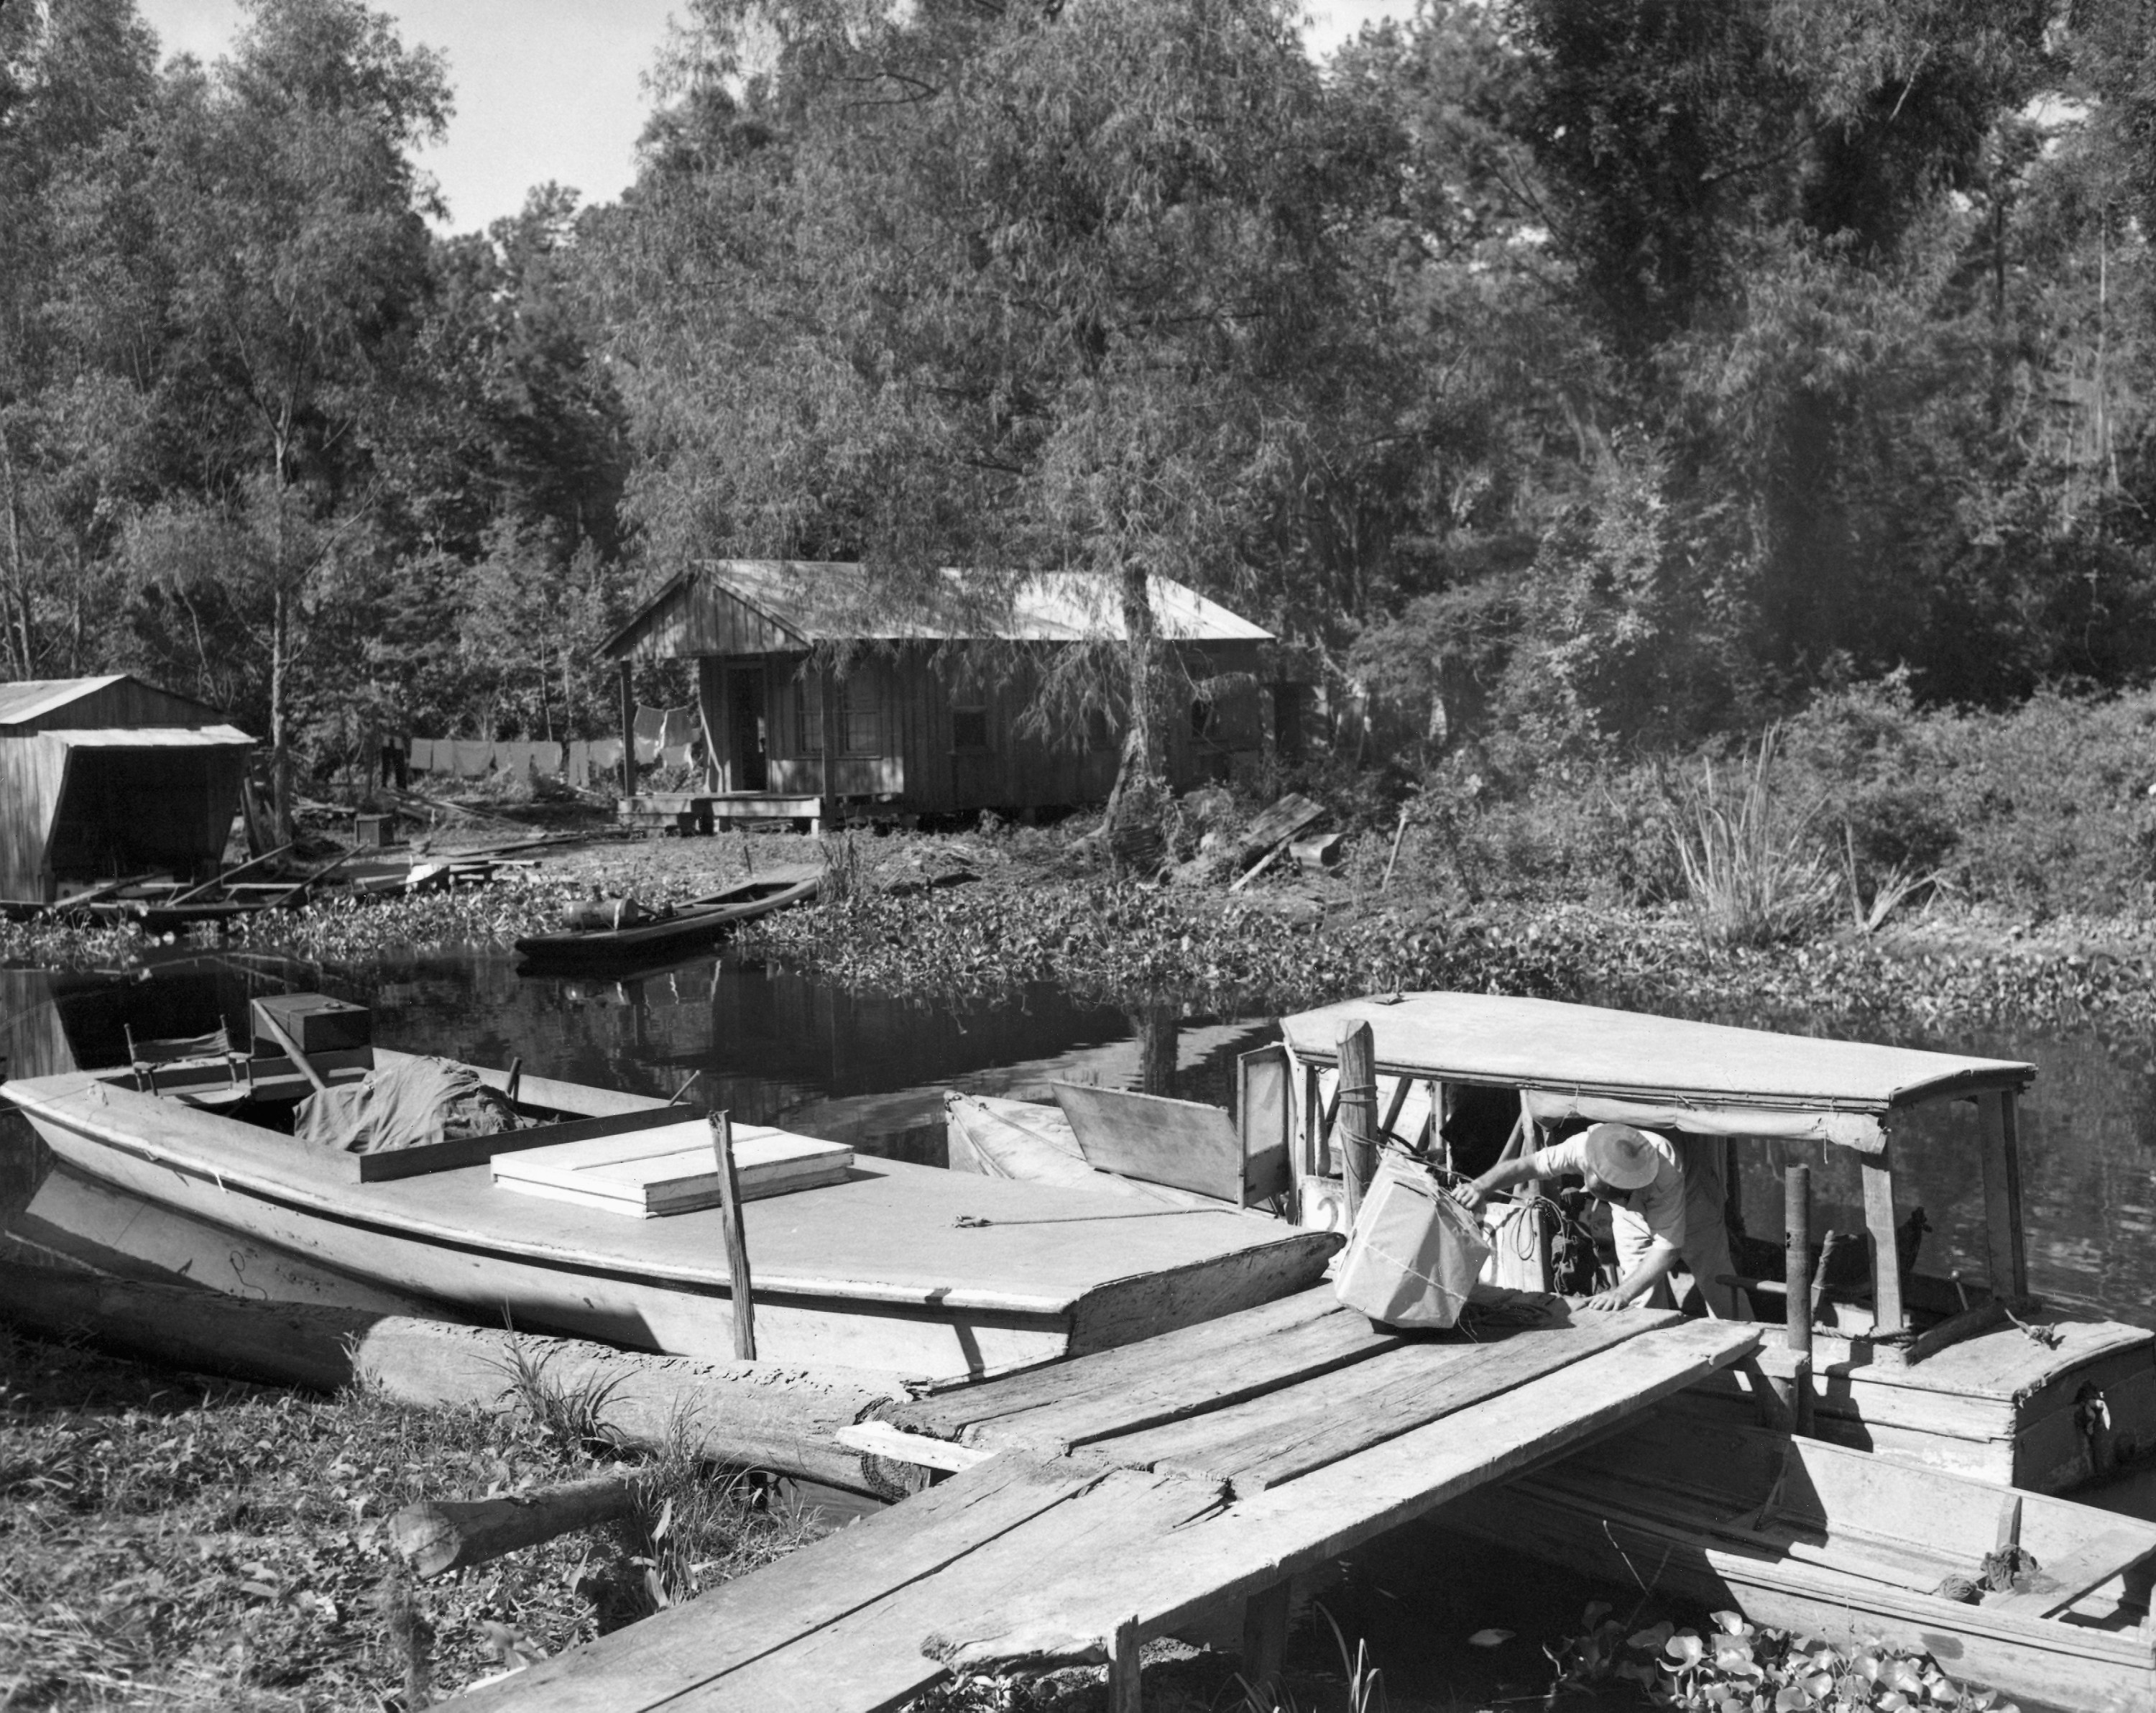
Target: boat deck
[[1118, 1497], [900, 1268]]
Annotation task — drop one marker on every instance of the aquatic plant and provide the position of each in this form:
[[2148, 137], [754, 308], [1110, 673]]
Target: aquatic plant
[[1752, 870], [1741, 1667]]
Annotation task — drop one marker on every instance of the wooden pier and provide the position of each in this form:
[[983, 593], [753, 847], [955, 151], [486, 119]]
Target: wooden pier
[[1106, 1500]]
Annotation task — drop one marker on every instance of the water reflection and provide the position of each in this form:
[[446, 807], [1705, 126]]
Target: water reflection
[[781, 1048]]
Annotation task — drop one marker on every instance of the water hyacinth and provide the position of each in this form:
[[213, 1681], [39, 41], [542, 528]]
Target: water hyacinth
[[1740, 1668]]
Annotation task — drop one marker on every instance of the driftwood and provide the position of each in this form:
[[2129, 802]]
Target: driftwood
[[439, 1535], [765, 1415]]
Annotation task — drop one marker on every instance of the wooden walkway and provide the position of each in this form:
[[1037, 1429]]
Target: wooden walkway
[[1122, 1494]]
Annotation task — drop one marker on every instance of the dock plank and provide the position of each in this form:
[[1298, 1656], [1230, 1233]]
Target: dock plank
[[679, 1650], [1069, 1613], [1289, 1432], [1065, 1555], [875, 1659], [949, 1413], [1204, 1380]]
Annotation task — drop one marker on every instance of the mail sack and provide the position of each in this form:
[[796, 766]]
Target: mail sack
[[1414, 1253]]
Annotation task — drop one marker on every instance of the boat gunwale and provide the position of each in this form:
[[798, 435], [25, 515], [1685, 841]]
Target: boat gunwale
[[310, 1199]]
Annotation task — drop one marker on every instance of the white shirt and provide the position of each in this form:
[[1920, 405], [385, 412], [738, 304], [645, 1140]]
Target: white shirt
[[1657, 1210]]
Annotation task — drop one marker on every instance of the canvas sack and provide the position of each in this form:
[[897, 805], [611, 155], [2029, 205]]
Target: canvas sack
[[1414, 1253]]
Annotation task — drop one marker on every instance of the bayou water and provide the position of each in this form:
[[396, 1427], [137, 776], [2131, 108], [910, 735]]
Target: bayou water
[[776, 1048]]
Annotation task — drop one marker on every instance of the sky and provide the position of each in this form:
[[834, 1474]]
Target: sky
[[554, 88]]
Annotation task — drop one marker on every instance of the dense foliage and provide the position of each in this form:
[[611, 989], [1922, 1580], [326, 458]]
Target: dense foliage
[[1561, 376]]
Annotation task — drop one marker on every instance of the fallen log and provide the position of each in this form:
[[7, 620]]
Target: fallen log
[[436, 1536], [762, 1415]]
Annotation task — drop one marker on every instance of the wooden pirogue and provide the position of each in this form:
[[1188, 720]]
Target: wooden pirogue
[[1121, 1495], [898, 1269]]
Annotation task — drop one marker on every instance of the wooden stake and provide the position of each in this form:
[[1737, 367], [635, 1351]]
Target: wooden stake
[[628, 733], [1399, 832], [1358, 1113], [1265, 1640], [736, 1239], [1125, 1692], [1797, 1264], [2002, 1196], [1886, 1312]]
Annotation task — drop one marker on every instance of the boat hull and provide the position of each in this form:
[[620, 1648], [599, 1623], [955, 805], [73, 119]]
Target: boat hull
[[660, 1284], [1837, 1543], [655, 942]]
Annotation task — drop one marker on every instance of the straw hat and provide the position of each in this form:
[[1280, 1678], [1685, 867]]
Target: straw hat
[[1621, 1157]]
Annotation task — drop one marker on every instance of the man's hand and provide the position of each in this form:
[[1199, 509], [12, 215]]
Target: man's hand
[[1603, 1302], [1472, 1196]]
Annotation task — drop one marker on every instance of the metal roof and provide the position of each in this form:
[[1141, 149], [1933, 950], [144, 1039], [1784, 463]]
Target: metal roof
[[153, 737], [1545, 1044], [32, 698], [814, 601]]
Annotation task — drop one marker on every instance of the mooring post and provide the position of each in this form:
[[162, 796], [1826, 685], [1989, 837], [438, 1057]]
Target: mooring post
[[1125, 1694], [736, 1239], [1797, 1281], [1358, 1113], [1265, 1640], [627, 733]]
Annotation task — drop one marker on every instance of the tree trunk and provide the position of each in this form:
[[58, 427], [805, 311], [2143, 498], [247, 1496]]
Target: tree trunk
[[1137, 807], [280, 753]]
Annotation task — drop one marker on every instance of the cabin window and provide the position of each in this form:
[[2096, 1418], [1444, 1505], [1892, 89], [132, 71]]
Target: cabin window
[[1100, 730], [969, 726], [1201, 716], [861, 722]]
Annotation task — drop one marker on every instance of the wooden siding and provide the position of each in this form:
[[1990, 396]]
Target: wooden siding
[[698, 618], [91, 813], [127, 702], [31, 770]]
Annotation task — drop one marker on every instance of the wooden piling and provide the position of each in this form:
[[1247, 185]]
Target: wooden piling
[[1265, 1640], [1125, 1667], [627, 733], [736, 1238], [1358, 1113], [1797, 1265]]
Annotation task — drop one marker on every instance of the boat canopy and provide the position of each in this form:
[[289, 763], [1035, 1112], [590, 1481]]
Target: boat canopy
[[1590, 1062]]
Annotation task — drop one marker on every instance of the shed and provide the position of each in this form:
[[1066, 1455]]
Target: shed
[[105, 777], [911, 728]]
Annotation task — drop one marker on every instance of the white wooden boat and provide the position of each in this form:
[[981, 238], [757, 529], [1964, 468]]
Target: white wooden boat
[[1852, 1548], [898, 1269]]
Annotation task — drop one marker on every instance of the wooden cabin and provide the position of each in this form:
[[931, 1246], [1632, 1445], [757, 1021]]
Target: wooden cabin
[[926, 717], [101, 778]]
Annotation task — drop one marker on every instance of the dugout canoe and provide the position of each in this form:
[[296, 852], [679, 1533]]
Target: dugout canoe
[[898, 1269], [1850, 1548], [688, 929]]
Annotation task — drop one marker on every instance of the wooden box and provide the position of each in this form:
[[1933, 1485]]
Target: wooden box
[[317, 1022], [671, 1169]]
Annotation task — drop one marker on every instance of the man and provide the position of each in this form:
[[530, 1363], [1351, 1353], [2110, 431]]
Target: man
[[1640, 1176]]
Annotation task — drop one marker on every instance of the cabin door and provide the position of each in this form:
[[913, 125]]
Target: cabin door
[[746, 719]]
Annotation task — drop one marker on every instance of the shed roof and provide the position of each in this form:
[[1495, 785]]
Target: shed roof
[[29, 699], [120, 697], [799, 602], [1545, 1044], [153, 737]]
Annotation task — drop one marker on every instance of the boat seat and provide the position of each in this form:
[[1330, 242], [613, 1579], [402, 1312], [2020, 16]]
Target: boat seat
[[146, 1058]]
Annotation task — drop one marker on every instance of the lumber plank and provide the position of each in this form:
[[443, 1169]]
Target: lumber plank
[[884, 1655], [1288, 1432], [1184, 1143], [2054, 1586], [1207, 1380], [685, 1650], [950, 1412], [1062, 1612]]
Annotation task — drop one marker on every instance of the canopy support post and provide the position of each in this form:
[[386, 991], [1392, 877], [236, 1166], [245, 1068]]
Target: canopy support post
[[2002, 1194], [1887, 1314]]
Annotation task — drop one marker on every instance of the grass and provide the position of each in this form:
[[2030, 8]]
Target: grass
[[172, 1542], [1753, 867]]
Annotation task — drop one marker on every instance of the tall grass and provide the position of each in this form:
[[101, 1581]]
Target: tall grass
[[1753, 867]]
